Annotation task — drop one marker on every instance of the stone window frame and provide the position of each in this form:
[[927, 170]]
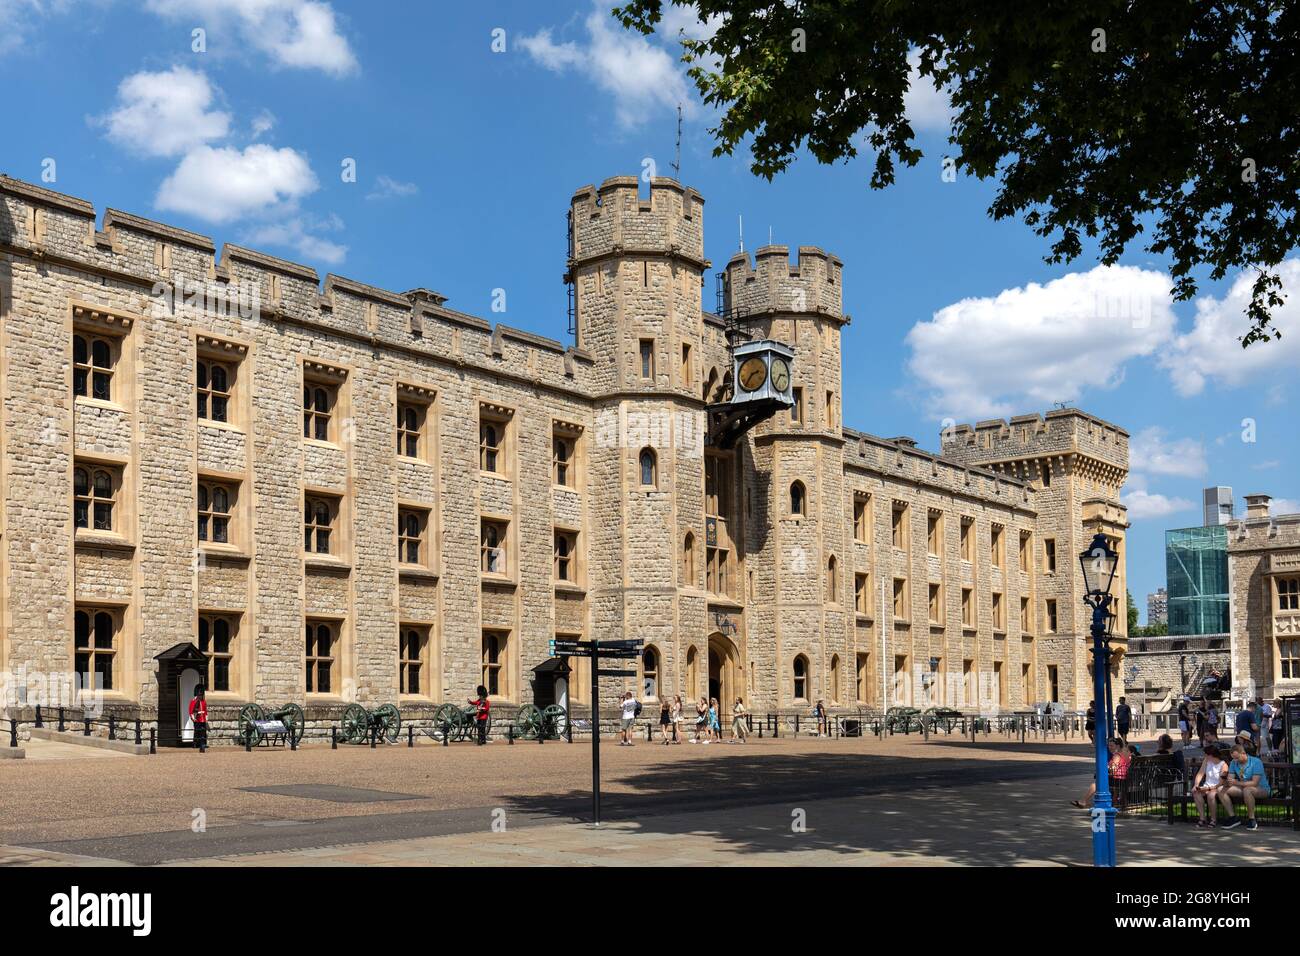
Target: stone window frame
[[900, 519], [1025, 558], [796, 408], [997, 545], [862, 518], [571, 561], [863, 685], [1286, 650], [231, 656], [329, 379], [800, 676], [798, 500], [503, 558], [207, 513], [833, 679], [969, 614], [862, 594], [934, 532], [94, 323], [687, 376], [569, 469], [902, 679], [934, 602], [1049, 556], [830, 409], [421, 661], [717, 565], [690, 576], [647, 460], [832, 580], [497, 452], [336, 543], [646, 359], [1026, 616], [579, 670], [229, 355], [499, 664], [421, 515], [1286, 591], [313, 658], [998, 611], [95, 490], [902, 598], [122, 532], [650, 673], [416, 412], [1051, 623], [92, 650]]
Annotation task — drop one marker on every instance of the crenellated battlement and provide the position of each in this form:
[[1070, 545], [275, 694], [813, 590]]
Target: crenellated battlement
[[613, 220], [174, 267], [1060, 432], [773, 284]]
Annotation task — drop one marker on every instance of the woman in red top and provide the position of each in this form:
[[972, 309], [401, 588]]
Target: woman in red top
[[199, 714], [1117, 770]]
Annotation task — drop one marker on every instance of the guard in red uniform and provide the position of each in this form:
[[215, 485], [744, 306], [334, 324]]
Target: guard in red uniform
[[483, 708], [199, 714]]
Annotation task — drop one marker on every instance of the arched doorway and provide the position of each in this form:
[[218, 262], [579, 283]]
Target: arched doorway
[[724, 672]]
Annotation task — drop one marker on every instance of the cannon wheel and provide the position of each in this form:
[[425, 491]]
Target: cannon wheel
[[355, 724], [528, 722], [446, 722], [295, 721], [247, 714], [390, 721], [556, 720]]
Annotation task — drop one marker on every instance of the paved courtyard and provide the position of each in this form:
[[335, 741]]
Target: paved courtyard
[[861, 802]]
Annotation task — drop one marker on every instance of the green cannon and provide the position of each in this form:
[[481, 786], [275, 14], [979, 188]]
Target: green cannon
[[456, 723], [941, 718], [902, 720], [258, 724], [358, 724], [549, 723]]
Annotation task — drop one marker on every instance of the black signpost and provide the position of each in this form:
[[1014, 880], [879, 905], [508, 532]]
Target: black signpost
[[598, 651]]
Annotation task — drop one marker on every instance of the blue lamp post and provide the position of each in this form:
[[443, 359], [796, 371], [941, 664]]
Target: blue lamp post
[[1099, 563]]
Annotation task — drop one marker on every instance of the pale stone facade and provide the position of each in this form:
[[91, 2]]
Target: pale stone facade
[[1264, 601], [414, 501]]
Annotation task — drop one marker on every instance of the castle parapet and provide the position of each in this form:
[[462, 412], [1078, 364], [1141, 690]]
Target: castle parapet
[[613, 219], [775, 285]]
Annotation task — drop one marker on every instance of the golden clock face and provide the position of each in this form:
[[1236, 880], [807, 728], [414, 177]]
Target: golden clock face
[[780, 374], [753, 373]]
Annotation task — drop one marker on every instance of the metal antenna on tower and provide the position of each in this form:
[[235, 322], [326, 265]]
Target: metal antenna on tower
[[677, 161], [742, 232]]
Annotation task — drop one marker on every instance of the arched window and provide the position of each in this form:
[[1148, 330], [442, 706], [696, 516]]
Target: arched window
[[489, 446], [320, 657], [410, 537], [214, 513], [711, 384], [318, 522], [798, 500], [688, 560], [692, 672], [834, 689], [832, 580], [93, 496], [801, 678], [94, 646], [212, 390], [650, 673], [408, 430], [317, 410], [92, 367], [649, 468], [216, 633], [410, 658]]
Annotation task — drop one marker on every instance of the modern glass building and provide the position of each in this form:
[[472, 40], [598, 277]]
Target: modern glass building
[[1196, 569]]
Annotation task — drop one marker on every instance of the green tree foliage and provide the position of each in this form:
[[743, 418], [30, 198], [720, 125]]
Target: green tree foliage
[[1173, 121]]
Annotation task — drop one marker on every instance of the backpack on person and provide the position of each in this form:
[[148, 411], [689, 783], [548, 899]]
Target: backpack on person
[[637, 711]]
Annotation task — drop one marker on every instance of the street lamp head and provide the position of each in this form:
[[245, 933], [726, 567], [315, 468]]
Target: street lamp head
[[1099, 563]]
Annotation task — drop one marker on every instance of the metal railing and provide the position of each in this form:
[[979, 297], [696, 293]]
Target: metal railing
[[71, 720]]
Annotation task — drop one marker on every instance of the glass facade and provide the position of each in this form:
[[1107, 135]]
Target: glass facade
[[1196, 569]]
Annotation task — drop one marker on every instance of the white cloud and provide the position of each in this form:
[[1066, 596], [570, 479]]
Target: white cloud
[[299, 234], [1210, 352], [386, 187], [224, 184], [164, 113], [1150, 451], [641, 76], [262, 124], [1033, 345], [926, 106], [1283, 506], [1143, 504], [302, 34]]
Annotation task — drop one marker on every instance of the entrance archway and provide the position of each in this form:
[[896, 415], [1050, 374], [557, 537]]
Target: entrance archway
[[724, 672]]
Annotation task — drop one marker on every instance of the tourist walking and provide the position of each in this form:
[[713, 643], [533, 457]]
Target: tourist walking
[[1205, 788], [701, 721], [677, 719], [738, 729], [1185, 720], [715, 724], [630, 708], [1123, 718], [820, 713], [1090, 720], [1278, 729], [666, 722]]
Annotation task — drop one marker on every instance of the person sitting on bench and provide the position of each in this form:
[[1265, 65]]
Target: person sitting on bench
[[1247, 782]]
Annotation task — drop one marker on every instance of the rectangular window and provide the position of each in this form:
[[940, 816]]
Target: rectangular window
[[320, 514], [1026, 625], [217, 633], [936, 604], [899, 528], [862, 593], [94, 360], [96, 636], [862, 519], [1288, 594], [493, 552], [322, 640], [686, 364], [216, 508], [496, 649], [1288, 652], [967, 608], [995, 545], [412, 658], [934, 532], [412, 530], [900, 599], [213, 384], [95, 489], [564, 456], [410, 429], [647, 358], [830, 409], [796, 410], [967, 539], [863, 683], [566, 556], [717, 560], [1051, 615], [1026, 549], [319, 399], [999, 613], [1049, 555], [492, 444], [1053, 683]]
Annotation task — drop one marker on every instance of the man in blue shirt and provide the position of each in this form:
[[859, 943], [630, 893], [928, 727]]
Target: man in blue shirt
[[1248, 722], [1247, 782]]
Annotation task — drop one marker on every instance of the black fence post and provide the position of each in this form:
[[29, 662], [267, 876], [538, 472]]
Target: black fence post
[[776, 726], [13, 733], [39, 720], [410, 736], [510, 734], [374, 736], [446, 735], [137, 731], [86, 732], [248, 741], [334, 737], [61, 723], [293, 739], [153, 740], [112, 727], [568, 728], [649, 732]]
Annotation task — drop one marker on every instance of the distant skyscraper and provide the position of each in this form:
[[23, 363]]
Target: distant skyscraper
[[1158, 607], [1218, 505]]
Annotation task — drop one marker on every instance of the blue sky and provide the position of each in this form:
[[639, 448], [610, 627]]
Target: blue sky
[[466, 156]]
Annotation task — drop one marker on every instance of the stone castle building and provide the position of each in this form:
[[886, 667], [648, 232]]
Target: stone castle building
[[1264, 601], [338, 492]]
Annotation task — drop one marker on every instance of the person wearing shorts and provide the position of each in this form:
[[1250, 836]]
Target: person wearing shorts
[[1184, 722], [628, 718], [666, 722]]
